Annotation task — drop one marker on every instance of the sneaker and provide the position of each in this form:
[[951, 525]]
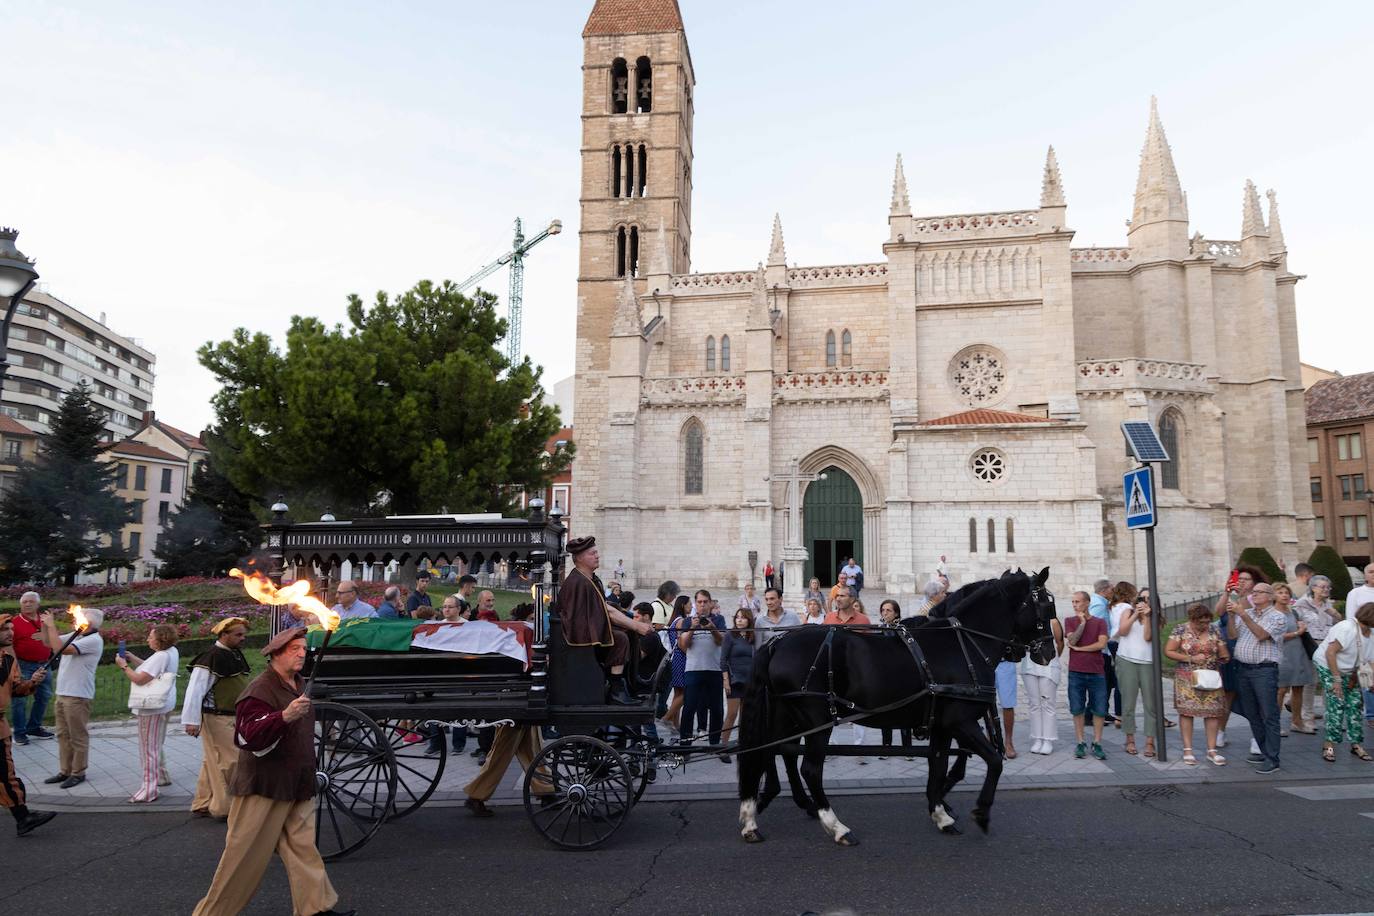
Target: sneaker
[[1080, 750], [412, 738], [1267, 768], [41, 733], [1098, 752], [1254, 758], [21, 740]]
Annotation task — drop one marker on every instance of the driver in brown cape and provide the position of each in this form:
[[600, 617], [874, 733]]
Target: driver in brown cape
[[589, 621]]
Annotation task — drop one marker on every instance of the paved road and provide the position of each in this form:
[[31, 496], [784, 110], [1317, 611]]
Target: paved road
[[1250, 848]]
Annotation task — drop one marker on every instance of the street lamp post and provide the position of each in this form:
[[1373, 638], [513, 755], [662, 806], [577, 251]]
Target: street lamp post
[[17, 277]]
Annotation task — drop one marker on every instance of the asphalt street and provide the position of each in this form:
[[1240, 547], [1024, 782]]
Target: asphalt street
[[1252, 849]]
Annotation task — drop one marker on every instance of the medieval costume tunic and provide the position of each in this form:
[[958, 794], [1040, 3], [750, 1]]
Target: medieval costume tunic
[[218, 678], [11, 786], [587, 618], [273, 788]]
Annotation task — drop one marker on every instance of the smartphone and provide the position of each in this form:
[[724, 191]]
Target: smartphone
[[120, 648]]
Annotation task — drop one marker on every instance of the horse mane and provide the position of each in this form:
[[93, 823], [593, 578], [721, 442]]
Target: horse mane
[[950, 605]]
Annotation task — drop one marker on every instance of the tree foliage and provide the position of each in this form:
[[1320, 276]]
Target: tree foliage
[[1328, 563], [409, 408], [214, 531], [61, 516], [1263, 560]]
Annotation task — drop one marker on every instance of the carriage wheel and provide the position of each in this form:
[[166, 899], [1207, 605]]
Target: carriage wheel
[[592, 792], [417, 776], [355, 779]]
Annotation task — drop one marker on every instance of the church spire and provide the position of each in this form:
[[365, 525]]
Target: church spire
[[1051, 186], [901, 202], [759, 316], [777, 251], [628, 322], [1252, 219], [1159, 219], [1277, 246]]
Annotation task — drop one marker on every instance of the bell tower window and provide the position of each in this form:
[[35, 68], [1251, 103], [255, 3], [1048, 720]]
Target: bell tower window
[[632, 264], [644, 86], [620, 86], [615, 171], [620, 252], [643, 168]]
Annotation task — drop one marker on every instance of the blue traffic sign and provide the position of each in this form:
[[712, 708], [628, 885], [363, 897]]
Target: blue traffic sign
[[1139, 489]]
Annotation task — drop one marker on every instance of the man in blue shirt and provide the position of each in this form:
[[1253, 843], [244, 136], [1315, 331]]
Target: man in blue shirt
[[350, 605], [1100, 606], [418, 597], [390, 598]]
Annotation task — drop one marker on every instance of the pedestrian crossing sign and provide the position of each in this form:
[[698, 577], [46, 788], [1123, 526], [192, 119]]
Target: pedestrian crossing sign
[[1139, 491]]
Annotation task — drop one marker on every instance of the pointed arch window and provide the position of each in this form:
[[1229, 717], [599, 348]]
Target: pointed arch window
[[973, 535], [693, 459], [710, 354], [846, 348], [621, 248], [644, 86], [643, 169], [830, 349], [992, 536], [1169, 437], [1011, 536], [632, 256], [620, 86], [725, 353], [615, 171]]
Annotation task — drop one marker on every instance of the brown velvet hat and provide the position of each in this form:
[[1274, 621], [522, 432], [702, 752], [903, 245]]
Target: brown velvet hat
[[577, 545], [5, 618], [282, 640]]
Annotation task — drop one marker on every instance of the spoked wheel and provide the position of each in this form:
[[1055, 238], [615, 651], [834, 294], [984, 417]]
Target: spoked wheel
[[592, 792], [417, 776], [355, 779]]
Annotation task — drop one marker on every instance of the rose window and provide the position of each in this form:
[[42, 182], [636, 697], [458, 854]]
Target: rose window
[[988, 465], [979, 376]]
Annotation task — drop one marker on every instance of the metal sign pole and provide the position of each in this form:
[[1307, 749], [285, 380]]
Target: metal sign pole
[[1157, 649]]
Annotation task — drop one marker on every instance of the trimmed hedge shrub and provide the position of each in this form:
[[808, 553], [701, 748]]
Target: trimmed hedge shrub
[[1263, 560], [1328, 563]]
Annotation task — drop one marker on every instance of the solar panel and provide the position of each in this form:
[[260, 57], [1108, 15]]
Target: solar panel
[[1144, 441]]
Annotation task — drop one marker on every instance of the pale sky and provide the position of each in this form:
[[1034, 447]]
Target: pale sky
[[192, 167]]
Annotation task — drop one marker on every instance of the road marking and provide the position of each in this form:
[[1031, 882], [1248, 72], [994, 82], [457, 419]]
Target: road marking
[[1330, 793]]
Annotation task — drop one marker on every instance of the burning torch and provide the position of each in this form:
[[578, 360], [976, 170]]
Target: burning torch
[[79, 626], [298, 596]]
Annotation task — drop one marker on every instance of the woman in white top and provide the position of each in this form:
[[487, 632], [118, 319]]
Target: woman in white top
[[1042, 686], [1346, 647], [152, 723], [1131, 627], [814, 613]]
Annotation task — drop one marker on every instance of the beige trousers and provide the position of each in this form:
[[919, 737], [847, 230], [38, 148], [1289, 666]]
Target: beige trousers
[[217, 758], [73, 736], [257, 826], [520, 741]]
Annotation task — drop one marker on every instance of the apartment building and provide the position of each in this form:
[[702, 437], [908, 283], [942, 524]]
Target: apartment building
[[53, 347], [17, 443], [1340, 426]]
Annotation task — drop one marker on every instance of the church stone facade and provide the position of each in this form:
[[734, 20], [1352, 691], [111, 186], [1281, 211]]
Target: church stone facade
[[961, 394]]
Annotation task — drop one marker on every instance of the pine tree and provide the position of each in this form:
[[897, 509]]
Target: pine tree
[[62, 516], [213, 532]]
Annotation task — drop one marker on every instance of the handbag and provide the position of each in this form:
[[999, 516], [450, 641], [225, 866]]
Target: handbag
[[154, 694], [1206, 679], [1364, 670]]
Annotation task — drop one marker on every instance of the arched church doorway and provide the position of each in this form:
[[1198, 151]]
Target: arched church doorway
[[833, 524]]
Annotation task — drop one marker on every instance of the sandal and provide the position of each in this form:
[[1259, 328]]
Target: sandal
[[1188, 757], [1149, 749], [1329, 754], [1130, 746], [1214, 758], [1360, 753]]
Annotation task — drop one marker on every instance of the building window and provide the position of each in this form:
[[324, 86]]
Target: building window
[[830, 349], [846, 349], [710, 354], [1352, 487], [1313, 451], [973, 535], [122, 476], [12, 447], [1316, 483], [1168, 437], [644, 86], [1348, 447], [615, 171], [1355, 527], [164, 509], [141, 477], [138, 508], [1011, 536], [560, 499], [992, 536], [978, 375], [620, 86], [627, 251], [725, 353], [135, 542], [988, 465], [1319, 528], [693, 459], [166, 480]]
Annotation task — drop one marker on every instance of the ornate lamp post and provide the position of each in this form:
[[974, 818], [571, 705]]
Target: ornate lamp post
[[17, 277]]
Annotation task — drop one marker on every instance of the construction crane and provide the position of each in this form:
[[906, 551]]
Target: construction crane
[[516, 259]]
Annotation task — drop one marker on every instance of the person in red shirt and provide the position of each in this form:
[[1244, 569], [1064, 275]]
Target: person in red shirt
[[845, 612], [1085, 636], [486, 608], [32, 653]]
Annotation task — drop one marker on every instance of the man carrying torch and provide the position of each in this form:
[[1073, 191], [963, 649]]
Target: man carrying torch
[[12, 794]]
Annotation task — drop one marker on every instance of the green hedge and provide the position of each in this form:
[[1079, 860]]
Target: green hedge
[[1328, 563], [1263, 560]]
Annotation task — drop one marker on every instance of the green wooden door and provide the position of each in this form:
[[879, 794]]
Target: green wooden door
[[833, 525]]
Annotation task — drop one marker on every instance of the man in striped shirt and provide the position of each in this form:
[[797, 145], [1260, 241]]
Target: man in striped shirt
[[1257, 626]]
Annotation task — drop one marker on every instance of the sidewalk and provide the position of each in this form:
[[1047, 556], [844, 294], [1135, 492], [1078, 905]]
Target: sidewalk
[[113, 773]]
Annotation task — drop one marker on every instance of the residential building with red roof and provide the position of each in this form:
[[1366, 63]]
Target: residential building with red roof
[[1340, 431]]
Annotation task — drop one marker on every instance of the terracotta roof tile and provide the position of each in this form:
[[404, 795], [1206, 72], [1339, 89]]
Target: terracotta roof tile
[[982, 416], [9, 426], [633, 17], [565, 434], [186, 439], [1349, 397], [141, 450]]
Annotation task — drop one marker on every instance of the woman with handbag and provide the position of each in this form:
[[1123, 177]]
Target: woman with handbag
[[1295, 671], [1345, 666], [152, 697], [1200, 650]]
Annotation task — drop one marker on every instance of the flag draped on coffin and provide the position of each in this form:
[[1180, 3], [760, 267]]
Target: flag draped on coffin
[[477, 637], [366, 633]]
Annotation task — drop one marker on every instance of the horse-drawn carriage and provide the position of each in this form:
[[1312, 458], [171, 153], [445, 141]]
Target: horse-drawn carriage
[[374, 707]]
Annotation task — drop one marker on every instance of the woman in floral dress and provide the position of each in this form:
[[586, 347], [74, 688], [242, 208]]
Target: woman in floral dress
[[1197, 645]]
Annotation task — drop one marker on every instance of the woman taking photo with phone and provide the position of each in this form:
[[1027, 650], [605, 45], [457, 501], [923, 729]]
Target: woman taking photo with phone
[[152, 723], [1132, 628]]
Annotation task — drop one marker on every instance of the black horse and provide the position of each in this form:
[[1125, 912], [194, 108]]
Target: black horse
[[806, 680]]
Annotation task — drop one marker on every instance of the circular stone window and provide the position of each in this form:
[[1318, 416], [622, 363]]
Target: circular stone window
[[978, 376], [988, 465]]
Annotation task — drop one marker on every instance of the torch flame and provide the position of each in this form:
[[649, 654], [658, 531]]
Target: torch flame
[[297, 594], [78, 617]]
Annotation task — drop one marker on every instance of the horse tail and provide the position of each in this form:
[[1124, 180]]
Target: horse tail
[[754, 730]]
